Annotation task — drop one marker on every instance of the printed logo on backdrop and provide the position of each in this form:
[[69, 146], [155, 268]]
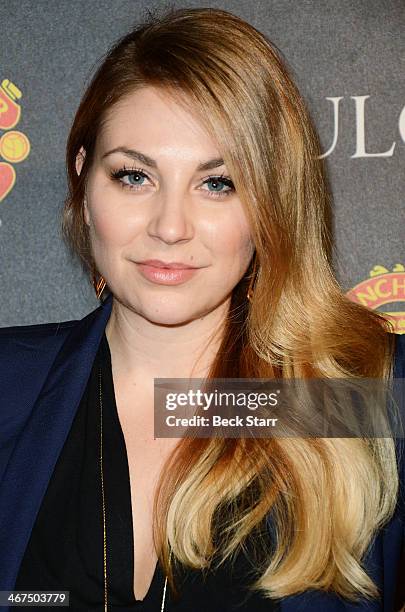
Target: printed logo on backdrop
[[14, 145], [360, 126], [384, 288]]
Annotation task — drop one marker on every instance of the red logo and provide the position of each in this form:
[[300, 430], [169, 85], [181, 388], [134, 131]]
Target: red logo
[[383, 288], [14, 145]]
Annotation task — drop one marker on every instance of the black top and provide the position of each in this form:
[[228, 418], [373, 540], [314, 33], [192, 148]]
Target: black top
[[65, 550]]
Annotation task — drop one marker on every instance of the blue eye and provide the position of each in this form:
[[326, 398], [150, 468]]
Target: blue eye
[[133, 179], [218, 182]]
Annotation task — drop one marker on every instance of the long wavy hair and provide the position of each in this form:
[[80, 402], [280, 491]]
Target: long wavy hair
[[327, 497]]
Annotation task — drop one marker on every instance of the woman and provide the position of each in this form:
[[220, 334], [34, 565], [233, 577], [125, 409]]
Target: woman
[[192, 148]]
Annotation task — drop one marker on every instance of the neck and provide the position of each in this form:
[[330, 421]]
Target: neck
[[142, 348]]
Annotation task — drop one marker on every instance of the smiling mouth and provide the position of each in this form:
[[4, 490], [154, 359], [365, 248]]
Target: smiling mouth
[[166, 275], [172, 265]]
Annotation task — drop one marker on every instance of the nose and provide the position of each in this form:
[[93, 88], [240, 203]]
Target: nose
[[171, 216]]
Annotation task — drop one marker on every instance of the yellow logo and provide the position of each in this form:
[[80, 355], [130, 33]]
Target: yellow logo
[[14, 145], [383, 288]]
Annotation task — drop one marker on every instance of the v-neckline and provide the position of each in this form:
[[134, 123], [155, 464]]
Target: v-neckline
[[127, 500]]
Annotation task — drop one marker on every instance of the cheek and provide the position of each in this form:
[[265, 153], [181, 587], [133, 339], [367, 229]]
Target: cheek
[[110, 225], [109, 229], [233, 245]]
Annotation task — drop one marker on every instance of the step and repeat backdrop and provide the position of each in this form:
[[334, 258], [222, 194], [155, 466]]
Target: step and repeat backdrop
[[348, 58]]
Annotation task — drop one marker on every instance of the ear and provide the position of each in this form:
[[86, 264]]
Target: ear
[[86, 213], [80, 159], [79, 164]]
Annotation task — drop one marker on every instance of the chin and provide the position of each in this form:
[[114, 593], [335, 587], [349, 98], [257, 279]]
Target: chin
[[174, 310], [160, 317]]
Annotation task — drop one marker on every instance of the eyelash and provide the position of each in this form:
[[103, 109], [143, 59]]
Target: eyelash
[[117, 175]]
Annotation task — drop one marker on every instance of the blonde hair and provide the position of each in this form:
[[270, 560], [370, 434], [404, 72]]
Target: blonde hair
[[298, 324]]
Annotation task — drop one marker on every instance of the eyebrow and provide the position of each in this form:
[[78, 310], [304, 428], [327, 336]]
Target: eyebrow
[[148, 161]]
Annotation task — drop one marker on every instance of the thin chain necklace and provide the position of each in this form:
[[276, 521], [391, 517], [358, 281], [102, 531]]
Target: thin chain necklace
[[104, 512]]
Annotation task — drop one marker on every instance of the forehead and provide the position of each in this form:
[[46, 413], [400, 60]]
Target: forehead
[[151, 114]]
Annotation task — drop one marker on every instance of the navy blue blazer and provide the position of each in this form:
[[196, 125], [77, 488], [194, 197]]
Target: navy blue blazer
[[43, 373]]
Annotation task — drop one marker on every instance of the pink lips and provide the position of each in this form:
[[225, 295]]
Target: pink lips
[[166, 273], [176, 265]]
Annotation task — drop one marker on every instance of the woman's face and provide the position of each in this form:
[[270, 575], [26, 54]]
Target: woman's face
[[147, 199]]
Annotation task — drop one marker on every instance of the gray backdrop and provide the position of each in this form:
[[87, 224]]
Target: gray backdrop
[[349, 61]]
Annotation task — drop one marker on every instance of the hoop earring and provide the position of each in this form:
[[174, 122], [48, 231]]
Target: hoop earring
[[250, 292]]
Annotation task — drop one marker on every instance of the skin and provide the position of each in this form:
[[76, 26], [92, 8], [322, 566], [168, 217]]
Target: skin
[[158, 330]]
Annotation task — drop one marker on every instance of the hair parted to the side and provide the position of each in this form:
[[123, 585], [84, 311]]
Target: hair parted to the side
[[327, 496]]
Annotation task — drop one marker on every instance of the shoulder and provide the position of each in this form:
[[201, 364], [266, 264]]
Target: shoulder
[[22, 343], [54, 330], [18, 338], [26, 354], [35, 330], [39, 343]]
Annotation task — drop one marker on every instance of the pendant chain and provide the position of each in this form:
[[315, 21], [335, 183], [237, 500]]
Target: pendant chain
[[104, 512]]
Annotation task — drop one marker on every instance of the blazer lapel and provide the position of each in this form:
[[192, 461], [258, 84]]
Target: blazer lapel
[[34, 457]]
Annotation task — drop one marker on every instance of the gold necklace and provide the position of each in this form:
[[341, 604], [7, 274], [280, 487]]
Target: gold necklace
[[104, 513]]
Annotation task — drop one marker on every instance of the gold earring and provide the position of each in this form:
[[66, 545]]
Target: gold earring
[[99, 285], [249, 293]]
